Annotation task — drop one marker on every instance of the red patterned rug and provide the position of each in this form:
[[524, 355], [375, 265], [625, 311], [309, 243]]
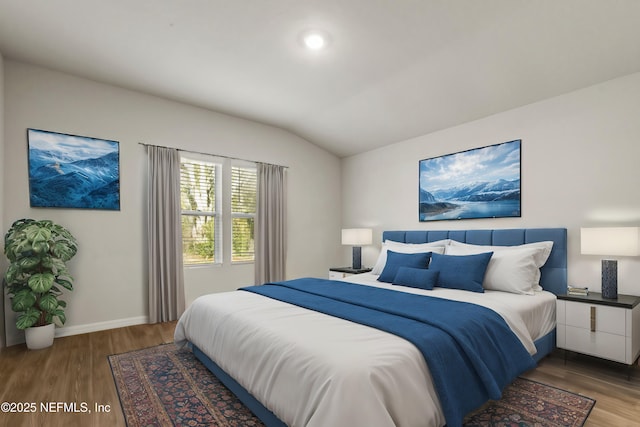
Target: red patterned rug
[[165, 386]]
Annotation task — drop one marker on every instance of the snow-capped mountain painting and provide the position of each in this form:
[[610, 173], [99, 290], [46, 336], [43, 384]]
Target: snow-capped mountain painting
[[479, 183], [69, 171]]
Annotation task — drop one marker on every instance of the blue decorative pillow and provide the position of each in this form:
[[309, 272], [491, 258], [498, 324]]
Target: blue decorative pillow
[[395, 260], [416, 278], [464, 272]]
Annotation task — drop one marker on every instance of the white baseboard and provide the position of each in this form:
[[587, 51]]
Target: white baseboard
[[14, 336], [100, 326]]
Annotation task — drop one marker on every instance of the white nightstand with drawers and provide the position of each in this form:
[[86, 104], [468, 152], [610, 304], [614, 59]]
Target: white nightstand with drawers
[[601, 327]]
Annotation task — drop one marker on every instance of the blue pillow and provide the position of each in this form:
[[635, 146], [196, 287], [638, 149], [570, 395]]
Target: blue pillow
[[416, 278], [464, 272], [395, 260]]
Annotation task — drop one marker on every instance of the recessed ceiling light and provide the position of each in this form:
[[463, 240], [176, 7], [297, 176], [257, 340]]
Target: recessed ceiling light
[[315, 40]]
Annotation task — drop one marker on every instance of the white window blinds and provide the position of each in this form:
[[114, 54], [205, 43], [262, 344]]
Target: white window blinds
[[200, 198], [243, 211]]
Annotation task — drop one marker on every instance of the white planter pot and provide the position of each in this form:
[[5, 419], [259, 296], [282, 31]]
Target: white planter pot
[[38, 337]]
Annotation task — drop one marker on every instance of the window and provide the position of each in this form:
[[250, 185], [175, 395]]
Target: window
[[201, 217], [218, 202], [243, 212]]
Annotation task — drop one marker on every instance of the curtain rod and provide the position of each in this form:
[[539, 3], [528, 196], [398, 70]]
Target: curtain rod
[[209, 154]]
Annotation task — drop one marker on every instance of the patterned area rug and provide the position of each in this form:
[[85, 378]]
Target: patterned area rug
[[529, 403], [164, 386]]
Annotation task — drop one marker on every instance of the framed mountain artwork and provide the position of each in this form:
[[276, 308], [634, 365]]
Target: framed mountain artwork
[[71, 171], [478, 183]]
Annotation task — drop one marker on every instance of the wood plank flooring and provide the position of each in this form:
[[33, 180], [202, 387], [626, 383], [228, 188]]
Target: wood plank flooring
[[615, 387], [75, 369]]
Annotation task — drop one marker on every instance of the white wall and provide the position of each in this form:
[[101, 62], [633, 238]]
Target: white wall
[[3, 262], [110, 269], [580, 154]]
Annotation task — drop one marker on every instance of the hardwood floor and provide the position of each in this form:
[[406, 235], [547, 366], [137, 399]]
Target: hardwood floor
[[75, 370], [615, 387]]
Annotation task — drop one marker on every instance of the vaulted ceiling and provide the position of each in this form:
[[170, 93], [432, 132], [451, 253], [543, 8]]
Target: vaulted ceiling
[[392, 70]]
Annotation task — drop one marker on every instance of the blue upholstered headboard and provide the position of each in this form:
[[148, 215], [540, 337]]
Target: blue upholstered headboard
[[553, 273]]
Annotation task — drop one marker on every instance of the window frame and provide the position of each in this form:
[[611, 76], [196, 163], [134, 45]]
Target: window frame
[[223, 213], [217, 214]]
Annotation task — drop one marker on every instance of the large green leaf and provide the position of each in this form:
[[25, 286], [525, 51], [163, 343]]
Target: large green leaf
[[13, 241], [36, 233], [15, 287], [20, 249], [48, 302], [12, 273], [64, 250], [28, 263], [59, 313], [41, 282], [18, 283], [46, 260], [28, 318], [41, 247], [56, 265], [65, 282], [22, 300], [17, 228]]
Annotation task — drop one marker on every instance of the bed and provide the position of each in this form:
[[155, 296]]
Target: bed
[[298, 366]]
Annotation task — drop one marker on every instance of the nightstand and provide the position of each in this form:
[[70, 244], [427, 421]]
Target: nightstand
[[337, 273], [605, 328]]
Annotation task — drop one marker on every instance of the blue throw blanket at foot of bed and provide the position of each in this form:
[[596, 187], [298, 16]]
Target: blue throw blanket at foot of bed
[[470, 350]]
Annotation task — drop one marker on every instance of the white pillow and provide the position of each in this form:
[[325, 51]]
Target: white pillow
[[514, 269], [541, 257], [406, 248]]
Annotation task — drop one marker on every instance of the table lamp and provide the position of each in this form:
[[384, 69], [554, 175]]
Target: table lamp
[[612, 241], [356, 237]]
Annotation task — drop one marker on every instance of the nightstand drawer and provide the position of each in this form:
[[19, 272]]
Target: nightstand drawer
[[337, 275], [600, 344], [604, 319]]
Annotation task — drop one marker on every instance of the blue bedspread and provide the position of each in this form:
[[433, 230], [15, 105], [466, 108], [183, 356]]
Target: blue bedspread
[[471, 352]]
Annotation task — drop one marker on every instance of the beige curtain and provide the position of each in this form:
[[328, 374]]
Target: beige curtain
[[164, 230], [270, 224]]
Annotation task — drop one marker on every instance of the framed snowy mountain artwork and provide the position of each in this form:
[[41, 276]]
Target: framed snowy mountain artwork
[[478, 183], [70, 171]]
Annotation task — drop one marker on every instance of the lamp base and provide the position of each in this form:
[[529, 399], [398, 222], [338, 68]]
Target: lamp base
[[357, 258], [609, 279]]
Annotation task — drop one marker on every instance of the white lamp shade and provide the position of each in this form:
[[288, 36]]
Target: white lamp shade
[[620, 241], [357, 236]]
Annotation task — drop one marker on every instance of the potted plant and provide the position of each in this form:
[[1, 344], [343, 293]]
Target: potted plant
[[38, 251]]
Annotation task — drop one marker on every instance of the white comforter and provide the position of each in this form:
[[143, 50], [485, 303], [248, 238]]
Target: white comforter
[[314, 370]]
